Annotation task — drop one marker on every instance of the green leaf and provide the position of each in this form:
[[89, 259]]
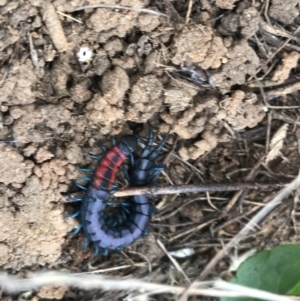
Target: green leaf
[[276, 271]]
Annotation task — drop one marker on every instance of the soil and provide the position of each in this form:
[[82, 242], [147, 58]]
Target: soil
[[77, 73]]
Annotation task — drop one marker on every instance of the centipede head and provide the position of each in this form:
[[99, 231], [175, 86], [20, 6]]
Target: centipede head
[[128, 144]]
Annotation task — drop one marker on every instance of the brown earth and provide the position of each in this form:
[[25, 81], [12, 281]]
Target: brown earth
[[218, 77]]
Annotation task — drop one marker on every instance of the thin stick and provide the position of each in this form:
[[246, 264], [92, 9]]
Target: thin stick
[[157, 190], [142, 10]]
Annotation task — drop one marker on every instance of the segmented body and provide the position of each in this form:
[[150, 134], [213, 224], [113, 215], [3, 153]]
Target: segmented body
[[136, 213]]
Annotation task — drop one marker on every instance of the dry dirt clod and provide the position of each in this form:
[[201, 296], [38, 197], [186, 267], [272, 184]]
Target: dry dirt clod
[[145, 99], [241, 61], [14, 167], [225, 4], [19, 85], [197, 44], [282, 72], [241, 110], [284, 11]]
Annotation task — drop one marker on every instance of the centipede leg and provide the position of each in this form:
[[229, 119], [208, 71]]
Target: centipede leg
[[72, 215], [88, 179], [158, 148], [104, 252], [153, 211], [91, 170], [148, 144], [126, 173], [103, 148], [75, 198], [96, 249], [80, 186], [95, 157], [76, 231], [146, 232]]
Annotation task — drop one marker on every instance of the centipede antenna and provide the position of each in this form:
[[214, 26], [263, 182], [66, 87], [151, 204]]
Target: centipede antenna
[[75, 198], [80, 186], [86, 169], [95, 157], [72, 215], [103, 148], [148, 145], [76, 231], [158, 148]]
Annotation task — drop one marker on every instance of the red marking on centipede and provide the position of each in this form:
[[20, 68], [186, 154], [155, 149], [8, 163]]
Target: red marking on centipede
[[106, 172]]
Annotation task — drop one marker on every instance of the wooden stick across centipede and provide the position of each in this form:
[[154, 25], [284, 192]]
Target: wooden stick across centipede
[[216, 187]]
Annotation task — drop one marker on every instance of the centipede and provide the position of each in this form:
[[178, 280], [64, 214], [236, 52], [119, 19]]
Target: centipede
[[131, 221]]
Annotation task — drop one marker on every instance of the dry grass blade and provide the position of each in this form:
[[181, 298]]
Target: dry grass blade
[[277, 143], [142, 10], [173, 260]]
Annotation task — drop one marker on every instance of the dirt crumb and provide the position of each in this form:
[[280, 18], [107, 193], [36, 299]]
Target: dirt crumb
[[113, 46], [198, 45], [242, 61], [179, 97], [241, 110], [198, 116], [225, 4], [43, 155], [74, 153], [100, 64], [209, 141], [53, 173], [14, 167], [52, 292], [17, 89], [29, 150], [106, 110], [80, 93], [114, 23], [148, 22], [145, 99], [244, 21], [4, 253], [289, 61], [284, 11], [41, 123]]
